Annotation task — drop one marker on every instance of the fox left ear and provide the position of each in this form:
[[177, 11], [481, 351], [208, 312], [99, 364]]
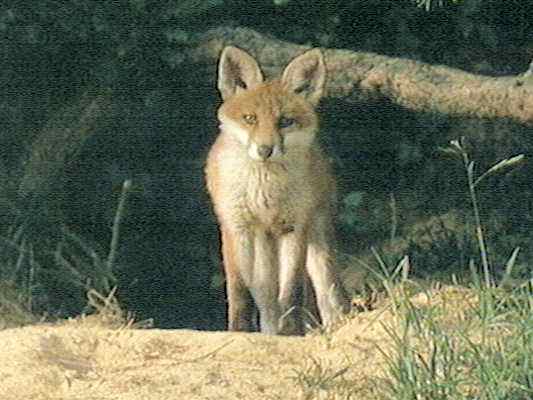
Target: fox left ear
[[306, 75], [237, 71]]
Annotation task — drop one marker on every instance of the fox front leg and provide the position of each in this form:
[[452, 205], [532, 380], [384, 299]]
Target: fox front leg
[[264, 284], [292, 255], [331, 298], [238, 255]]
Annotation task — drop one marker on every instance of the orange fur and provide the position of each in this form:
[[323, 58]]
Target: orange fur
[[273, 193]]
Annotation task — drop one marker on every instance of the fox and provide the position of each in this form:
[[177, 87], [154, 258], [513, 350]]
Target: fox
[[273, 193]]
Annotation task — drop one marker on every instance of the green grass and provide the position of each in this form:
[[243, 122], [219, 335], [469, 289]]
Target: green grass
[[477, 349]]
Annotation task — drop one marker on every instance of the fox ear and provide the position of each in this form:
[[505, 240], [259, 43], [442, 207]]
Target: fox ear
[[306, 75], [237, 70]]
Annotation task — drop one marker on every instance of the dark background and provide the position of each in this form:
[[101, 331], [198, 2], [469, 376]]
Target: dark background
[[160, 121]]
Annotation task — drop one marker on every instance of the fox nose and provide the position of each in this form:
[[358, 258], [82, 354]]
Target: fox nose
[[265, 151]]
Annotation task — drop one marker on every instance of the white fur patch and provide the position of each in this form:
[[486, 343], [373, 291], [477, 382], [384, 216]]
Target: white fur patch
[[253, 152], [234, 129]]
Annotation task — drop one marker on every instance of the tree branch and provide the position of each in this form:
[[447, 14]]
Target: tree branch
[[360, 77]]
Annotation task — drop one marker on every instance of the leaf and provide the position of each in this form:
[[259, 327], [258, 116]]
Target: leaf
[[507, 163], [404, 266], [509, 266], [503, 165]]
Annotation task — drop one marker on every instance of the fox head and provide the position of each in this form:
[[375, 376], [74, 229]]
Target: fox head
[[270, 118]]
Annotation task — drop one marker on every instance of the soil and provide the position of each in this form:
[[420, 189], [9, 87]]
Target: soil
[[88, 358]]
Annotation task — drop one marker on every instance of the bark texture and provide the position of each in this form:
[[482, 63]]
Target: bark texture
[[360, 77]]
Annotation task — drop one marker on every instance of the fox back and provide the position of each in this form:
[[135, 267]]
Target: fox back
[[273, 193]]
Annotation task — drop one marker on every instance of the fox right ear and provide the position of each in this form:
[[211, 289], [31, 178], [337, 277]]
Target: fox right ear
[[237, 70], [306, 75]]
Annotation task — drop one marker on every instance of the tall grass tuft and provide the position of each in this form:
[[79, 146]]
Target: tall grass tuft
[[474, 343], [65, 275], [476, 349]]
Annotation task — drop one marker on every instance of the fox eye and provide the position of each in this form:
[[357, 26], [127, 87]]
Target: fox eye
[[249, 119], [285, 122]]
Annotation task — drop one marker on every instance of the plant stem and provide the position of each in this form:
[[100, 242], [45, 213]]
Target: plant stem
[[479, 230], [394, 217], [116, 225]]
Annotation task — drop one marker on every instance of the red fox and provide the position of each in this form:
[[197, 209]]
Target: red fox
[[273, 193]]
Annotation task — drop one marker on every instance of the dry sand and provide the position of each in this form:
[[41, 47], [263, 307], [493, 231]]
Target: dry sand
[[85, 359]]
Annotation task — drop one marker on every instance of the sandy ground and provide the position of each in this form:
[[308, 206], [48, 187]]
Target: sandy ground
[[86, 359], [83, 360]]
